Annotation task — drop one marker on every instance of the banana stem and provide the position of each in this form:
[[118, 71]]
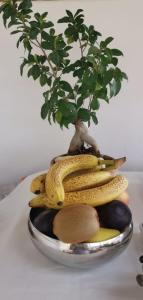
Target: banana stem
[[106, 162], [111, 163]]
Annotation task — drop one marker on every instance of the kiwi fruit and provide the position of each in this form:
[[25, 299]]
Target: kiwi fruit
[[76, 223]]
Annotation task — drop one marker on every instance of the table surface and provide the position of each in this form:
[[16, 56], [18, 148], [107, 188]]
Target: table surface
[[26, 274], [6, 189]]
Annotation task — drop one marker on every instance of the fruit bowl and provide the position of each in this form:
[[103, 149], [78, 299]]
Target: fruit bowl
[[82, 255]]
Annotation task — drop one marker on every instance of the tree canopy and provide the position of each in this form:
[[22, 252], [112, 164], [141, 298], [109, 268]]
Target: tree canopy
[[47, 58]]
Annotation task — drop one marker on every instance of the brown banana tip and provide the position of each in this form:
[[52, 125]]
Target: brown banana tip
[[60, 203], [30, 204], [119, 161]]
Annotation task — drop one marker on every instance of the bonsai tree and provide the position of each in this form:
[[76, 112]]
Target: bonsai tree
[[48, 59]]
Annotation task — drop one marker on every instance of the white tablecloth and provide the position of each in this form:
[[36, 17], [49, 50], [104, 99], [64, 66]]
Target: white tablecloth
[[25, 274]]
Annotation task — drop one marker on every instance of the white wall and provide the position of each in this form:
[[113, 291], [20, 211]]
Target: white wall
[[27, 143]]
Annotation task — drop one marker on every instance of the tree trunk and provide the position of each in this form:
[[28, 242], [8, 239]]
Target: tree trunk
[[80, 137]]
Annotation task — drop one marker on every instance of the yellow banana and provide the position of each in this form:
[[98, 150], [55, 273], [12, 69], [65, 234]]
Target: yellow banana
[[83, 181], [54, 186], [79, 180], [38, 184], [104, 234], [57, 172], [99, 195], [94, 197]]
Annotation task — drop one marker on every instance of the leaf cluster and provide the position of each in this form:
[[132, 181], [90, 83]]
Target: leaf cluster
[[47, 59]]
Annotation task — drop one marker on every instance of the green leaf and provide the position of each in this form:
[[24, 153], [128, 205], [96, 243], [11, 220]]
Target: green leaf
[[33, 33], [25, 4], [34, 23], [98, 86], [67, 48], [71, 33], [15, 31], [114, 61], [69, 13], [79, 72], [27, 44], [78, 12], [43, 79], [91, 59], [112, 89], [94, 118], [56, 82], [64, 20], [35, 72], [66, 86], [31, 59], [48, 44], [46, 95], [44, 110], [22, 66], [49, 24], [79, 21], [64, 122], [2, 7], [115, 87], [49, 80], [93, 50], [19, 41], [116, 52], [79, 102], [117, 74], [93, 35], [124, 75], [44, 15], [61, 93], [95, 104], [108, 41], [55, 58], [102, 46], [42, 59], [91, 82], [68, 110], [37, 16], [104, 60], [103, 94], [8, 12], [45, 35], [109, 53], [15, 22], [58, 116], [52, 31], [108, 76], [84, 114], [68, 69], [59, 43], [118, 87], [70, 40]]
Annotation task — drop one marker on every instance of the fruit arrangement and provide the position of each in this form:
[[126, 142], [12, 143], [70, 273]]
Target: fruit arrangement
[[83, 199]]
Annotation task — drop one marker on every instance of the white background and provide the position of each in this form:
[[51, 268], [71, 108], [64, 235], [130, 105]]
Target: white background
[[27, 143]]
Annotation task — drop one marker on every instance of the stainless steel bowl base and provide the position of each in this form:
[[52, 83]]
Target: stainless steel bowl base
[[82, 255]]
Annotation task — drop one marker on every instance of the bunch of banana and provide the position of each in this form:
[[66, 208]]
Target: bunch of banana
[[78, 179]]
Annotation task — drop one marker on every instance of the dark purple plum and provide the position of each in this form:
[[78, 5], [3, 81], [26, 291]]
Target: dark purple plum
[[44, 222], [115, 215]]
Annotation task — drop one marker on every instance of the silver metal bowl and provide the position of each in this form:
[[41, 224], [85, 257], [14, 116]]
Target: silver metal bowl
[[82, 255]]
